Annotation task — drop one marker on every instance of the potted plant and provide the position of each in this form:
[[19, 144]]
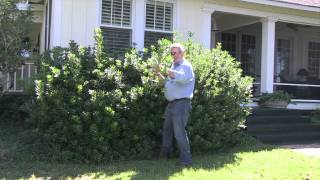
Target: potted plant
[[278, 99]]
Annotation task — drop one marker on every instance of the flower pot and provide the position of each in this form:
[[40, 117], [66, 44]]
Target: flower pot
[[275, 104]]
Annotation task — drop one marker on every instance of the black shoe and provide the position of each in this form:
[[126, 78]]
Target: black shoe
[[163, 154], [183, 165]]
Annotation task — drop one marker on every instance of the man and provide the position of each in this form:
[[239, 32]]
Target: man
[[179, 86]]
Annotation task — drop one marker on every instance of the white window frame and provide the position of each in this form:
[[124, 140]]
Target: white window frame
[[292, 51], [257, 57], [132, 21], [236, 52], [313, 41], [294, 65], [164, 31], [240, 48], [174, 4], [305, 55], [137, 32], [117, 26]]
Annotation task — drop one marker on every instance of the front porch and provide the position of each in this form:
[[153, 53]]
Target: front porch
[[278, 54]]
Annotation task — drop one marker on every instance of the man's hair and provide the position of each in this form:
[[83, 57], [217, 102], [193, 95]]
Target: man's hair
[[177, 45]]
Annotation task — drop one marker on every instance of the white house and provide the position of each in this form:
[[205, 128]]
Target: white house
[[277, 41]]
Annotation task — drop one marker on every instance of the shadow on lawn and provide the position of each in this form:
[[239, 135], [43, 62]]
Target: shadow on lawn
[[13, 168], [147, 169]]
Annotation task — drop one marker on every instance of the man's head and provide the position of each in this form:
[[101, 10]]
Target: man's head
[[177, 52]]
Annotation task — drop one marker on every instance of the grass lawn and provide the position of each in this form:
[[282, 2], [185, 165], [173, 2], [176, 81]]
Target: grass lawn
[[251, 162]]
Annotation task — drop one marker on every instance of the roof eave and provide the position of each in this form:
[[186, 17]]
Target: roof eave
[[285, 5]]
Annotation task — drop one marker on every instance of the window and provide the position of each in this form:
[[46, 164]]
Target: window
[[116, 24], [314, 59], [228, 41], [282, 59], [248, 54], [159, 21], [246, 50]]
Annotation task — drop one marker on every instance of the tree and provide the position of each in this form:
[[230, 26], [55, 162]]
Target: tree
[[14, 28]]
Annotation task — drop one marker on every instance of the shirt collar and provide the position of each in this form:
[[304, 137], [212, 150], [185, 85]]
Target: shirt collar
[[178, 63]]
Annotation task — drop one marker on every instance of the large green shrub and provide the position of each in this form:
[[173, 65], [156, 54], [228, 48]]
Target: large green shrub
[[93, 107], [220, 95], [11, 107]]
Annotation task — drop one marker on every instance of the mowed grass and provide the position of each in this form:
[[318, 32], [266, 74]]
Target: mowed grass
[[254, 161]]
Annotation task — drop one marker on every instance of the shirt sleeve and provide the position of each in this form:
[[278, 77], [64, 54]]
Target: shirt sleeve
[[183, 75]]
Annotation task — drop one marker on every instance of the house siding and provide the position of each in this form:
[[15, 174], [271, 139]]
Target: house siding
[[190, 18], [79, 19]]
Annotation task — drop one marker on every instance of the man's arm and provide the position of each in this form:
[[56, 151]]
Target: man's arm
[[161, 77], [182, 76]]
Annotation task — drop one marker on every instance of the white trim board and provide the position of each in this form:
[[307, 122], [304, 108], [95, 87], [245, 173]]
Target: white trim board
[[294, 105], [262, 14], [285, 5]]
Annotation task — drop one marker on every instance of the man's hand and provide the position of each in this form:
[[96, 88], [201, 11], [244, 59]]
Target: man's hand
[[156, 69], [171, 74]]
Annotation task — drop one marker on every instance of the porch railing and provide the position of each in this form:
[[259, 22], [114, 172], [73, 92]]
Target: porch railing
[[300, 91], [305, 92], [17, 81]]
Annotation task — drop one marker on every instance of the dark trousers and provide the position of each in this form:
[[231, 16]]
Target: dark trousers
[[176, 118]]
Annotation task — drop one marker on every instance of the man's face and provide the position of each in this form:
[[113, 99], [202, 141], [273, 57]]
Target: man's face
[[176, 54]]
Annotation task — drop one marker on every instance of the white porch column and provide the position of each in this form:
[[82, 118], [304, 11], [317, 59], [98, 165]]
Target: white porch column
[[267, 54], [214, 31], [139, 24], [56, 23], [206, 27]]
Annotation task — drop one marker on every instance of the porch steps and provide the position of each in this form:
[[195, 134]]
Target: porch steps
[[283, 126]]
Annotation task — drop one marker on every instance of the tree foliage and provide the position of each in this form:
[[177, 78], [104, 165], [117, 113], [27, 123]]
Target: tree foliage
[[14, 28], [93, 107]]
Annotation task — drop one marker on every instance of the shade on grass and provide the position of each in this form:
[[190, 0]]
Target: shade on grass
[[254, 161], [264, 164]]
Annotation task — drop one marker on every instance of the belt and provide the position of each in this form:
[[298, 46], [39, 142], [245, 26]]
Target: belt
[[181, 99]]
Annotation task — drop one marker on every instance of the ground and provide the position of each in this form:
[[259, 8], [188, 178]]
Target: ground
[[307, 149]]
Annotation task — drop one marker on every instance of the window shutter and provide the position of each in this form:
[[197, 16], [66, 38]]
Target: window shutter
[[116, 24], [106, 12], [116, 40], [126, 21], [116, 12], [150, 7], [168, 17], [159, 15], [159, 24], [152, 37]]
